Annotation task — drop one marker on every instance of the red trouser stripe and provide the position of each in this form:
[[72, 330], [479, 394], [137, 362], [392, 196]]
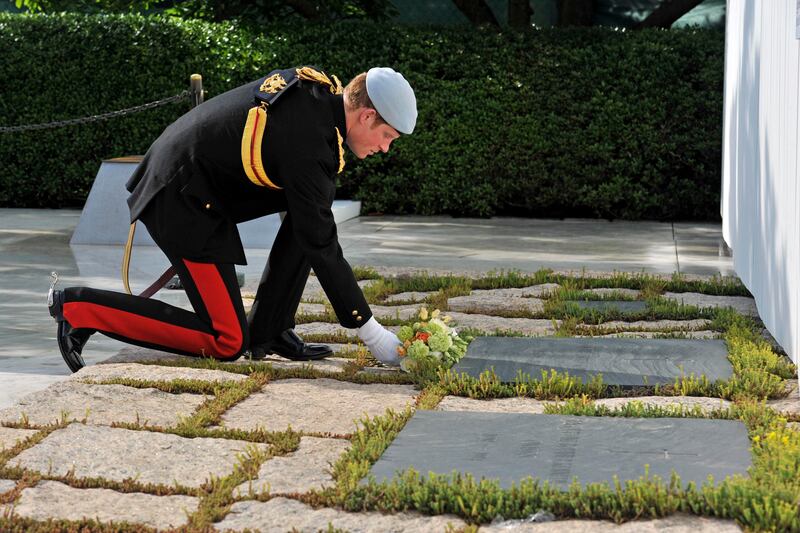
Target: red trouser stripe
[[217, 300], [224, 321]]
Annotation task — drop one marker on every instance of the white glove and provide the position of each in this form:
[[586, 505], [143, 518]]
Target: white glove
[[380, 341]]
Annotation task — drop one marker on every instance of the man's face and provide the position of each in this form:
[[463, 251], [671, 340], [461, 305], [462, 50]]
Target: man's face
[[370, 135]]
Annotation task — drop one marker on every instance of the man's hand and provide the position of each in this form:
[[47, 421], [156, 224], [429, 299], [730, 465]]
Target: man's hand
[[380, 341]]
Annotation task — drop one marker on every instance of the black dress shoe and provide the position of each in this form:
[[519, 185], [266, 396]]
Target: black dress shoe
[[70, 340], [290, 346]]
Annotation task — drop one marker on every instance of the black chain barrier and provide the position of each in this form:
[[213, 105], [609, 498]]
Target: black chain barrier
[[95, 118]]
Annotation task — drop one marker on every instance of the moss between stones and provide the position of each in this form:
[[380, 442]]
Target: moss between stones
[[651, 285]]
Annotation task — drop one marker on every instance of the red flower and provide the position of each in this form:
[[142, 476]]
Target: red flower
[[423, 336]]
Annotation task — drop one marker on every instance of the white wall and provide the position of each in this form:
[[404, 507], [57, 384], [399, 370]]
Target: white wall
[[760, 194]]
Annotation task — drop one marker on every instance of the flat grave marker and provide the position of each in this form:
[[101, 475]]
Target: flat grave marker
[[624, 362], [557, 448]]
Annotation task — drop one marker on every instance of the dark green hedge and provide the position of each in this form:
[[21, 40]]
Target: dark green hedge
[[560, 122]]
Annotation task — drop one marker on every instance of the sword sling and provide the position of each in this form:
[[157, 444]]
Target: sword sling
[[126, 264]]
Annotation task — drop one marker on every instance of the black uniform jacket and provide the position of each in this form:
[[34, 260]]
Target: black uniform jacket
[[191, 188]]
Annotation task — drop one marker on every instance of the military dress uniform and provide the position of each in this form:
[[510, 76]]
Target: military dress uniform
[[276, 144]]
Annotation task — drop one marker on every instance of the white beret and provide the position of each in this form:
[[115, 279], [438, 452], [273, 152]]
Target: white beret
[[393, 98]]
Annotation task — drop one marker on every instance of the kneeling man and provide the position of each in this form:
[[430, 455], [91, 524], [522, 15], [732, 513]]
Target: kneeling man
[[272, 145]]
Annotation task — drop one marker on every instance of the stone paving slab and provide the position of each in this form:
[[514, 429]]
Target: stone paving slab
[[558, 448], [7, 485], [743, 304], [497, 405], [533, 406], [689, 402], [700, 335], [307, 468], [330, 364], [324, 328], [791, 404], [489, 304], [533, 291], [652, 325], [404, 312], [152, 372], [9, 437], [102, 404], [117, 454], [380, 311], [625, 362], [316, 405], [57, 501], [329, 328], [135, 354], [313, 291], [410, 296], [490, 324], [279, 515], [306, 308], [678, 523]]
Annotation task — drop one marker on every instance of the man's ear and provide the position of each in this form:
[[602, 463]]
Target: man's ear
[[366, 115]]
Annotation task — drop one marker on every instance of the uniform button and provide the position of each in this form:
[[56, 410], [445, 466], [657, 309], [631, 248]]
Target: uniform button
[[208, 206], [358, 318], [355, 312]]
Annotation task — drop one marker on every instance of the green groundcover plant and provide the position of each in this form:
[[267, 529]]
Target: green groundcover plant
[[766, 499], [556, 122]]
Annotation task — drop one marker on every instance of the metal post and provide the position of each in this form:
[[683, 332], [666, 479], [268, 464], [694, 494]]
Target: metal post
[[196, 94]]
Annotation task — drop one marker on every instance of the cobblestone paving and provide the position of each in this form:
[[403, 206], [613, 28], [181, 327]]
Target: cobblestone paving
[[9, 437], [102, 404], [672, 524], [317, 406], [84, 462], [301, 471], [51, 499], [120, 454], [281, 514]]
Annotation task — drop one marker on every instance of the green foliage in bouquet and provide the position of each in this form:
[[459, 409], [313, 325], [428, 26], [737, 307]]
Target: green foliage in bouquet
[[430, 343]]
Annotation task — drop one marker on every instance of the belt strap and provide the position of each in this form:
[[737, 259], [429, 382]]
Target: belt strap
[[126, 264]]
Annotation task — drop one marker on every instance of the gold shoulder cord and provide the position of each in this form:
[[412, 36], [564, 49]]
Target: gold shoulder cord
[[251, 147], [126, 258], [341, 150], [308, 73], [335, 86]]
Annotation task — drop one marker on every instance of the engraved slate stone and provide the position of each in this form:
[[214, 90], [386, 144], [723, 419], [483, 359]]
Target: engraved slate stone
[[625, 362], [509, 447], [623, 306]]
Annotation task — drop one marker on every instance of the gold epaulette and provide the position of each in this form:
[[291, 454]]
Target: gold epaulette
[[310, 74]]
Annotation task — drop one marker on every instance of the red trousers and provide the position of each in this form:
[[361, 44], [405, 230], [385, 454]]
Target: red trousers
[[217, 327]]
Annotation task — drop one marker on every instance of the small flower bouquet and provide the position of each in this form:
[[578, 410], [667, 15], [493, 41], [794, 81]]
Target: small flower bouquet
[[430, 340]]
